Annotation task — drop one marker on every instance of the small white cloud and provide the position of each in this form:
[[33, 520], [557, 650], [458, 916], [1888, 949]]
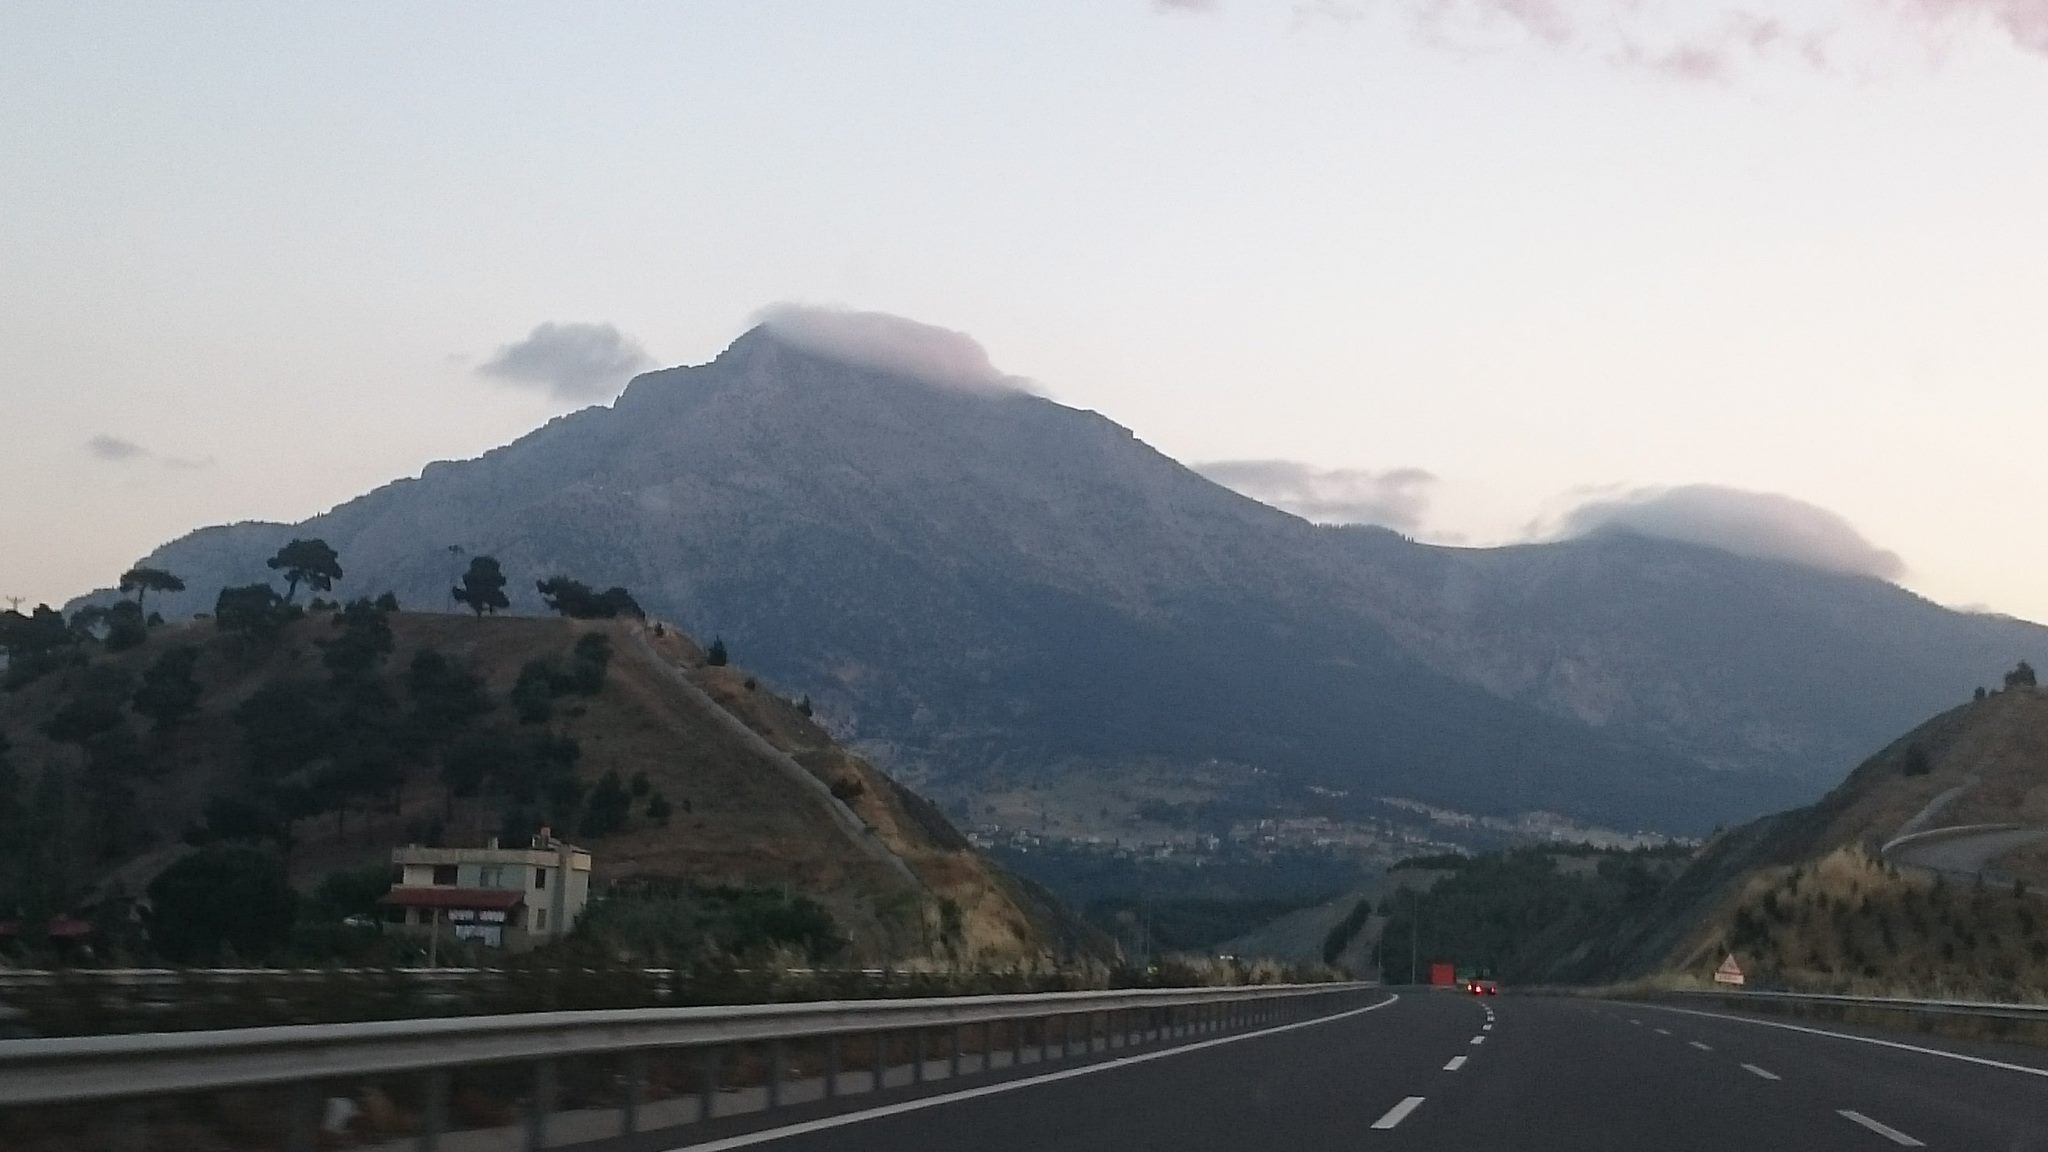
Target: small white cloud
[[114, 449], [1184, 7], [1767, 525], [570, 361], [892, 344], [1396, 498]]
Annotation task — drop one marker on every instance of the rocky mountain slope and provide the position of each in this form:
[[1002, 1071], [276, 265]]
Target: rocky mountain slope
[[977, 585], [713, 780], [1831, 896]]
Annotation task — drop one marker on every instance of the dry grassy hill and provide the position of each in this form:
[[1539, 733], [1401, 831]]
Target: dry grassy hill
[[759, 796], [1813, 898]]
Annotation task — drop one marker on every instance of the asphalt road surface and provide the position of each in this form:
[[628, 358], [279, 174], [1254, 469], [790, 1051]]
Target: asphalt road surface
[[1968, 854], [1439, 1070]]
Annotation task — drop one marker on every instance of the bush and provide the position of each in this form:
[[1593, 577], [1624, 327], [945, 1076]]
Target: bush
[[610, 804], [576, 600], [1917, 761], [716, 655], [169, 692], [221, 898], [658, 809]]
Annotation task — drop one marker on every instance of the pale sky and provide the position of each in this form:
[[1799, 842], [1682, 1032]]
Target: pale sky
[[257, 259]]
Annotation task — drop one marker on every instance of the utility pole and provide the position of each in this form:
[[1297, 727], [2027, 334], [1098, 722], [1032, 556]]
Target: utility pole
[[14, 603], [1414, 933]]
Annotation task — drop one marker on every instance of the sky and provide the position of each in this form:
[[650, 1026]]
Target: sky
[[1763, 275]]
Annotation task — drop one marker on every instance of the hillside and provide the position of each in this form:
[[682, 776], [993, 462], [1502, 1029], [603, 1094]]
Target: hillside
[[1830, 896], [983, 588], [285, 747]]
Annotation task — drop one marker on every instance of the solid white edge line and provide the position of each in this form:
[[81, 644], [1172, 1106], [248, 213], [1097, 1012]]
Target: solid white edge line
[[1456, 1063], [825, 1123], [1985, 1061], [1700, 1046], [1763, 1073], [1398, 1113], [1889, 1133]]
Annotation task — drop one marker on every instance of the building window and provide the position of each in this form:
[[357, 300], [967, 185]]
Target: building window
[[491, 876], [444, 875], [540, 879], [540, 919]]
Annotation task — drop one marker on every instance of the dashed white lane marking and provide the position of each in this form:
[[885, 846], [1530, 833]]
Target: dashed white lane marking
[[1891, 1134], [1663, 1031], [1761, 1072], [1479, 1039], [1978, 1060], [1637, 1023], [768, 1135], [1700, 1046], [1486, 1027], [1398, 1113], [1456, 1063]]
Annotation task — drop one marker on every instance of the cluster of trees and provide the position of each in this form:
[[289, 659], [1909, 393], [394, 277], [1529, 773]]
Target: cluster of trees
[[349, 737], [1855, 916], [1519, 916], [577, 600]]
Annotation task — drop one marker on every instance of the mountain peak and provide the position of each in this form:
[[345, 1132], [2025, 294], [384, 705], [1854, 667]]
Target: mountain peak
[[878, 342]]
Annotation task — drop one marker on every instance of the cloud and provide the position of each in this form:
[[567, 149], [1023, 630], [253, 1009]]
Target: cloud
[[2026, 21], [114, 449], [1392, 499], [890, 344], [1767, 525], [570, 361], [1703, 41], [1184, 7], [118, 450]]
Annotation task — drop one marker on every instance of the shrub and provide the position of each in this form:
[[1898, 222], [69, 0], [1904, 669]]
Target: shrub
[[221, 898]]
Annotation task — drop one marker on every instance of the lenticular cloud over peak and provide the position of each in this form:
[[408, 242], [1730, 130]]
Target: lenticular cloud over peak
[[888, 343], [1766, 525]]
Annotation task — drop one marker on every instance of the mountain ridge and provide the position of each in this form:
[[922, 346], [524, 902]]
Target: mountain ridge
[[973, 581]]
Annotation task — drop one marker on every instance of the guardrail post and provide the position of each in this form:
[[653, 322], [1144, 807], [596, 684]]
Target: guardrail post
[[543, 1102], [302, 1125], [953, 1059], [1016, 1041], [832, 1066], [636, 1090], [778, 1068], [988, 1045], [707, 1086], [434, 1111], [917, 1056], [881, 1059], [1066, 1036]]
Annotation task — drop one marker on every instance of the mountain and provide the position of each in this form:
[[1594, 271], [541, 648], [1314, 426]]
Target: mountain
[[980, 586], [1830, 895], [282, 747]]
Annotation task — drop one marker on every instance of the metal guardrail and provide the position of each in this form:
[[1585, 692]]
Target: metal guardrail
[[70, 1070], [1986, 1008]]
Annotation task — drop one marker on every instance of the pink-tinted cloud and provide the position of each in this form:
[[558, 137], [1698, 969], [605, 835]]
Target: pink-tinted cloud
[[1705, 41], [2026, 21]]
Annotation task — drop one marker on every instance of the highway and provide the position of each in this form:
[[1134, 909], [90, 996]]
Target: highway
[[1438, 1070]]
